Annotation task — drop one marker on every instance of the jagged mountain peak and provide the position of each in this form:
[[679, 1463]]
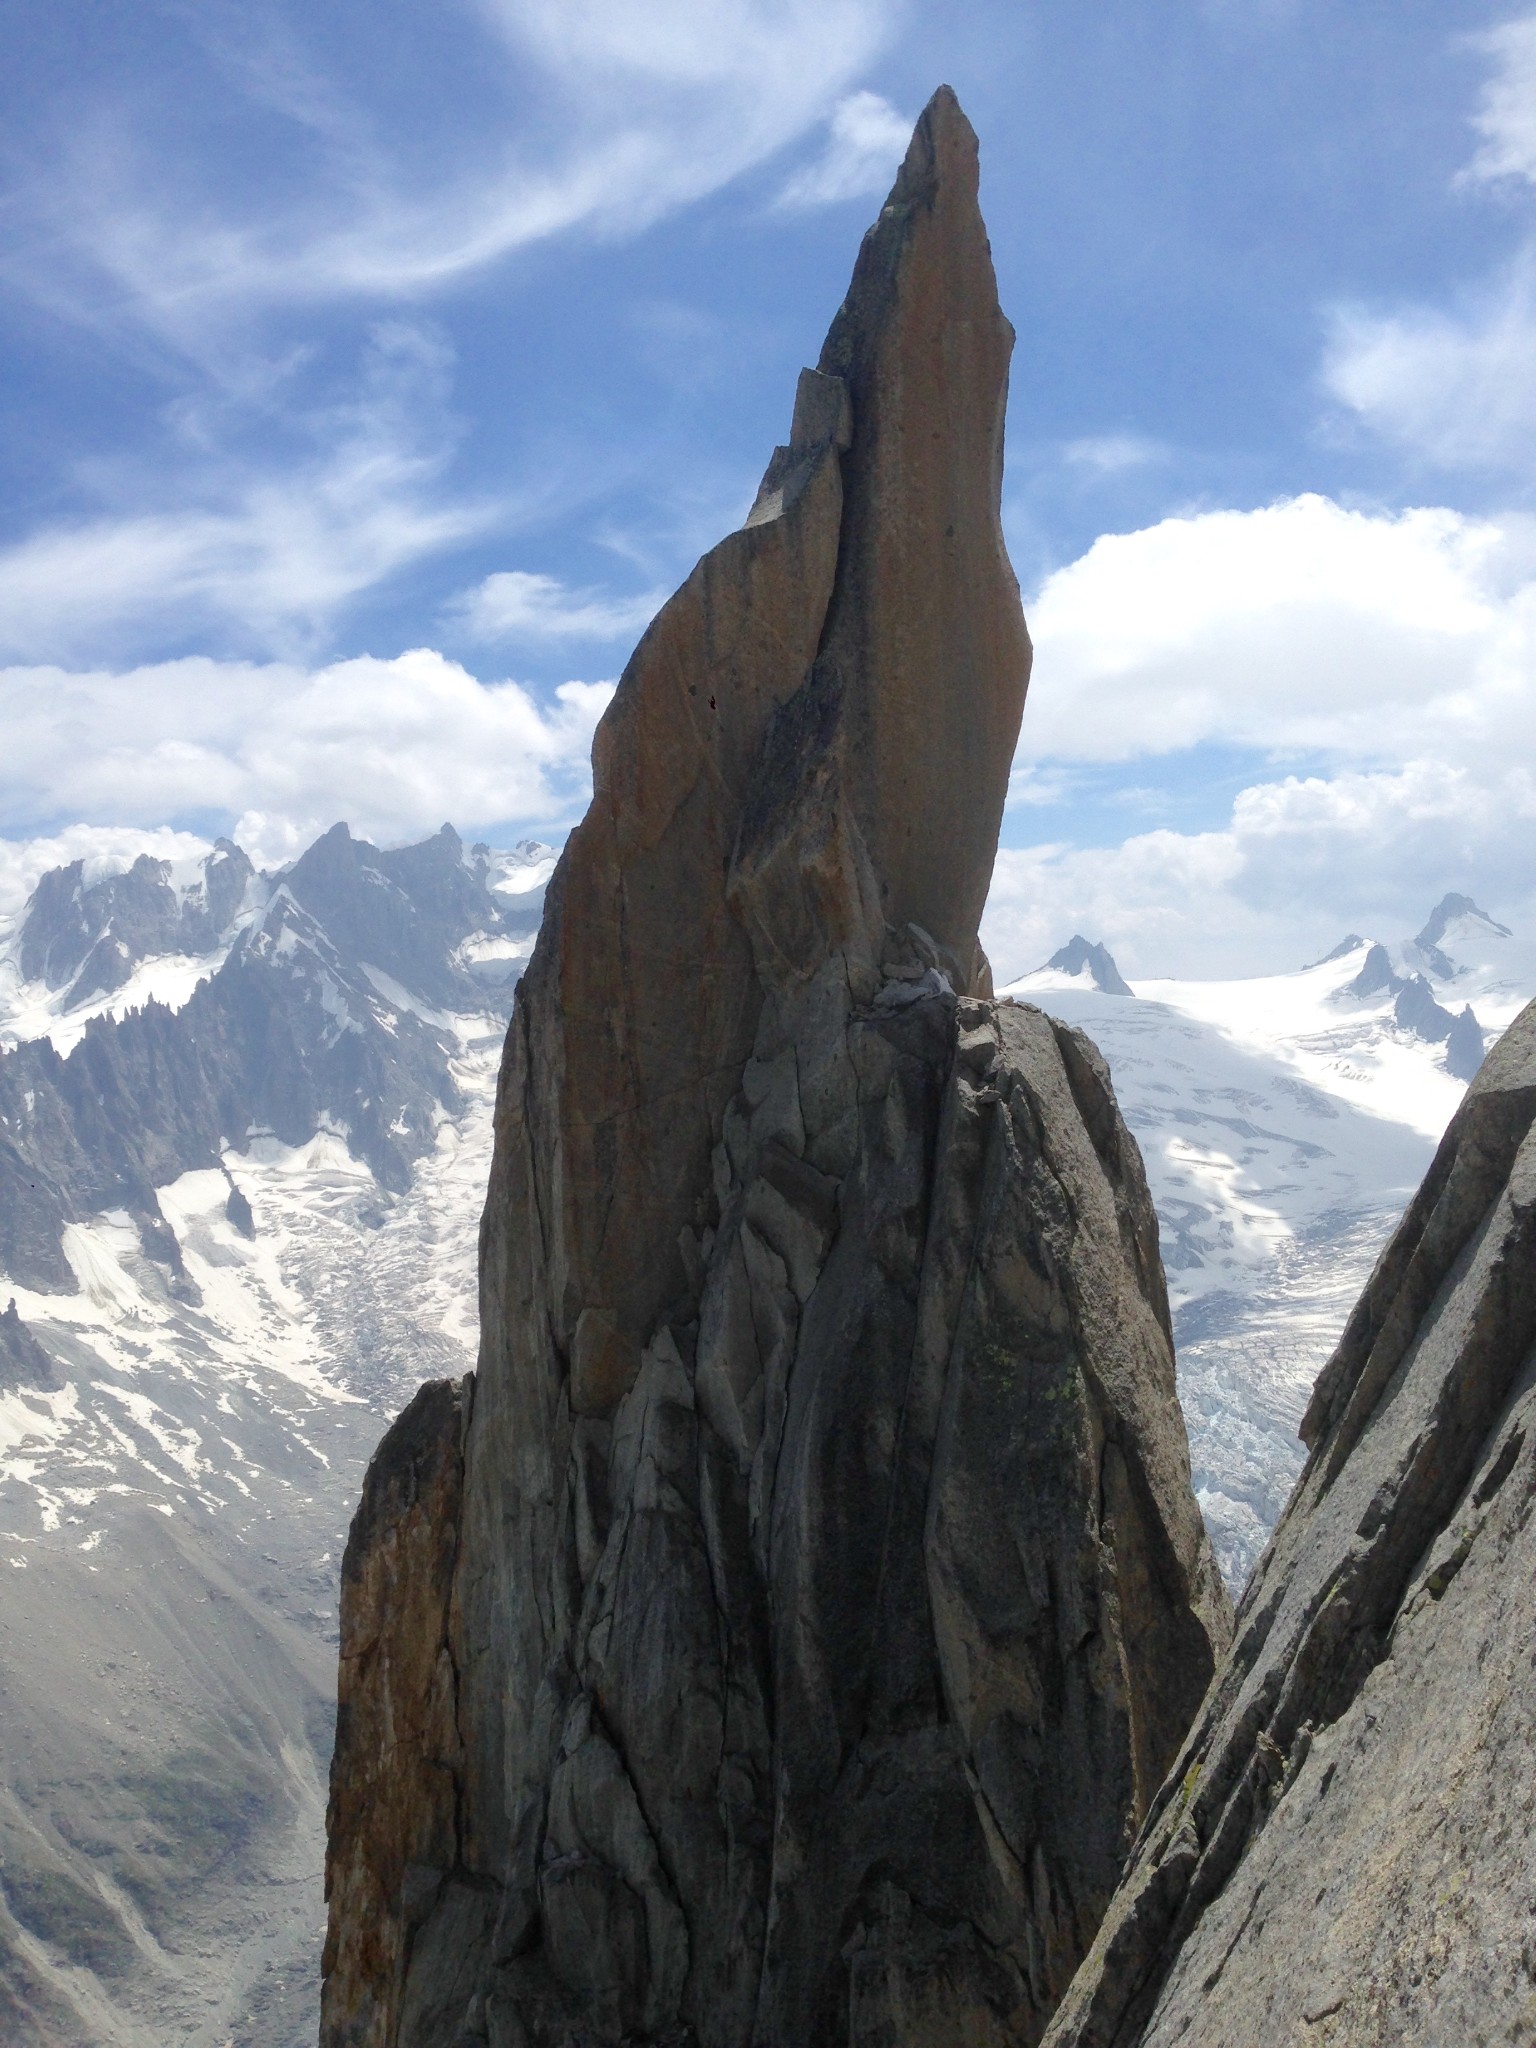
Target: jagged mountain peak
[[1452, 906], [1376, 971], [235, 1224], [87, 933], [1081, 956], [450, 927], [23, 1361], [1415, 1007], [1454, 918], [319, 999], [1081, 963], [785, 1371], [1350, 943]]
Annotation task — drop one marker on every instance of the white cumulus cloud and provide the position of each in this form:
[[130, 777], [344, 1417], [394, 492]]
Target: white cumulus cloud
[[517, 604], [1302, 626], [1400, 650], [278, 752]]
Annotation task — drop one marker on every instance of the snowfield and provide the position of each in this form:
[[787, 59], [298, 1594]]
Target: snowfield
[[1285, 1121]]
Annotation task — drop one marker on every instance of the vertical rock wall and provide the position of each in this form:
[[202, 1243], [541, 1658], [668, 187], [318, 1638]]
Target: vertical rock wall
[[392, 1822], [829, 1594]]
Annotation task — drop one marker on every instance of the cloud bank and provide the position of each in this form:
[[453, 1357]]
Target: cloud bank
[[1300, 627], [1398, 649], [1301, 861], [277, 753]]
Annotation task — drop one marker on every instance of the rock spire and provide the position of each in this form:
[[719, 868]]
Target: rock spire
[[827, 1595]]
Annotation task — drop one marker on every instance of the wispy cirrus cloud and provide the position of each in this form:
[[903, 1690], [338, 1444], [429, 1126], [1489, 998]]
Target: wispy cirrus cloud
[[261, 551], [225, 218], [589, 115], [1457, 389], [1456, 386], [518, 604], [1506, 114], [1104, 455]]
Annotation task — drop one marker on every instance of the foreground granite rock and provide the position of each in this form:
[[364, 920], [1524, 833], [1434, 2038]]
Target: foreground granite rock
[[829, 1594], [1345, 1850]]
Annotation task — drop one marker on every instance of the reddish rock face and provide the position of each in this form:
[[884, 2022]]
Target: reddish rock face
[[392, 1826], [925, 635], [870, 579], [829, 1594]]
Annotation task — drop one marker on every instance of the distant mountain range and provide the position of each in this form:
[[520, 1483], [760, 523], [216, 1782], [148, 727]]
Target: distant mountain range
[[1284, 1119], [244, 1133]]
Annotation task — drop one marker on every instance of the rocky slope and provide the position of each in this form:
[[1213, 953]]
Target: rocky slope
[[827, 1590], [1343, 1852]]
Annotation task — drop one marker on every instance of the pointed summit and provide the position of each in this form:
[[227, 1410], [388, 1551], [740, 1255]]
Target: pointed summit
[[785, 1687], [925, 632], [1082, 956], [810, 744]]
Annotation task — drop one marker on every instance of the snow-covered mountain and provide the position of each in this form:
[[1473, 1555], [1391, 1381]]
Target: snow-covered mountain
[[244, 1134], [1285, 1120]]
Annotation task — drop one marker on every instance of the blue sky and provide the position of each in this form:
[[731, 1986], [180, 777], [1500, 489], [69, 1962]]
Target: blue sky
[[372, 370]]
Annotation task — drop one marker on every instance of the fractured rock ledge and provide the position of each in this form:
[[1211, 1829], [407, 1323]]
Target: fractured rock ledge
[[1345, 1851], [827, 1594]]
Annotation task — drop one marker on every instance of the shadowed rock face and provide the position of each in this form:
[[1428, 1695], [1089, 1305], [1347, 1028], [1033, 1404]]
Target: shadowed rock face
[[829, 1593], [393, 1768], [1345, 1850]]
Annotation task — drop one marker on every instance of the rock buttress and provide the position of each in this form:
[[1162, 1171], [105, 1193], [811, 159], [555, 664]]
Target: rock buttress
[[1345, 1851], [392, 1825], [830, 1595]]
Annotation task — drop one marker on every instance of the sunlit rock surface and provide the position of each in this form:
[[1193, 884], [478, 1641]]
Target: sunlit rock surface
[[830, 1593]]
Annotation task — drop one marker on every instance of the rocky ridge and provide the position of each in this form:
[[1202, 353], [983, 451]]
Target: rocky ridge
[[828, 1593], [290, 1031], [1342, 1852]]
